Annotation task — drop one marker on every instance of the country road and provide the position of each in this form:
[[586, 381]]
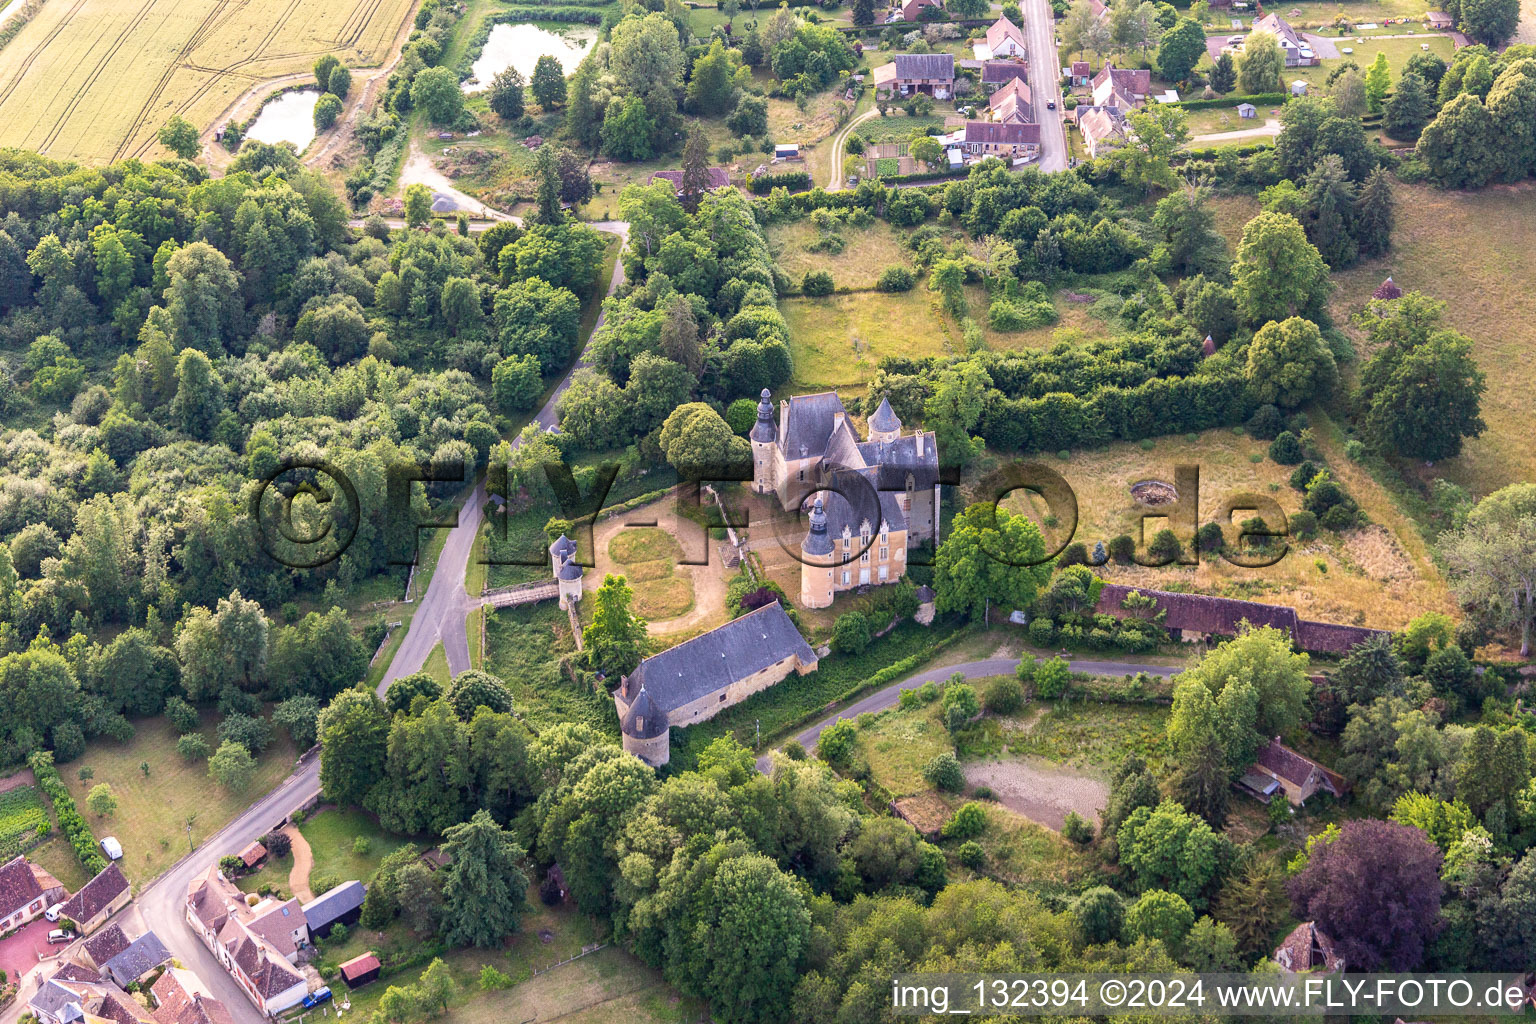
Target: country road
[[1044, 81], [886, 698], [439, 617]]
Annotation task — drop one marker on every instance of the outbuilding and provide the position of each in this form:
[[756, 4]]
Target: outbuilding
[[360, 970], [1247, 110]]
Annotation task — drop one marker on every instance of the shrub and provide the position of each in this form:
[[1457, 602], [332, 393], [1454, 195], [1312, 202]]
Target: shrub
[[943, 772], [1051, 678], [1303, 525], [851, 633], [81, 839], [1338, 518], [192, 746], [928, 692], [1122, 549], [969, 822], [1354, 450], [971, 854], [277, 843], [982, 792], [361, 845], [836, 742], [1285, 449], [895, 279], [183, 716], [960, 705], [1303, 474], [1165, 546], [1077, 829], [491, 978], [794, 750], [254, 734], [231, 864], [1004, 696], [817, 283], [1266, 423], [1075, 553], [1042, 631], [1209, 537]]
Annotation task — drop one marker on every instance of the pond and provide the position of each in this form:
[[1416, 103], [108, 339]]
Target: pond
[[520, 46], [289, 118]]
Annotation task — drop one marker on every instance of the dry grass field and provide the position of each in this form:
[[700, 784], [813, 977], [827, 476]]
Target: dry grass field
[[93, 80]]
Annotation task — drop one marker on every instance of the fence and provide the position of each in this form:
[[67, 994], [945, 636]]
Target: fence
[[585, 951]]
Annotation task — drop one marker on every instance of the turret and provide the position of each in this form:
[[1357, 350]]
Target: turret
[[884, 425], [764, 450], [816, 561], [568, 581]]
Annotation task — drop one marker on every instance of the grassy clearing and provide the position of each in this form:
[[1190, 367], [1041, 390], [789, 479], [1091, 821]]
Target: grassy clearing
[[95, 80], [56, 857], [332, 835], [648, 557], [153, 809], [1443, 246], [1027, 853], [273, 874], [838, 341], [1376, 577], [866, 253], [1397, 50], [523, 647], [899, 743], [1093, 735]]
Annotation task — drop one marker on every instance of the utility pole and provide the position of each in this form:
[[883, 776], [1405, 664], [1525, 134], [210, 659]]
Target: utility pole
[[190, 819], [757, 739]]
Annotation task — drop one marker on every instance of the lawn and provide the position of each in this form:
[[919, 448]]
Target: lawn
[[1397, 50], [332, 835], [437, 666], [838, 341], [94, 80], [1380, 576], [272, 874], [1024, 852], [899, 743], [523, 648], [648, 557], [153, 810], [1083, 735]]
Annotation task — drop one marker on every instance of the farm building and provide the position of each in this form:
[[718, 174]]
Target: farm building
[[1194, 618], [1280, 770], [787, 151], [251, 855], [908, 73], [925, 812], [1011, 141], [718, 178], [1440, 21], [341, 905], [360, 970]]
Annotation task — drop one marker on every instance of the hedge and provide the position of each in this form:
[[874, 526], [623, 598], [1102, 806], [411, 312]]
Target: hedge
[[1258, 99], [1211, 152], [75, 827], [900, 179], [582, 15], [794, 181]]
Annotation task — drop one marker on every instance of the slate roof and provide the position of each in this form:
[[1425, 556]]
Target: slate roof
[[18, 886], [713, 660], [56, 1001], [912, 66], [106, 944], [570, 569], [562, 548], [333, 904], [990, 133], [644, 720], [816, 540], [808, 424], [143, 955], [764, 431], [995, 71], [853, 503], [96, 895], [885, 417], [894, 461]]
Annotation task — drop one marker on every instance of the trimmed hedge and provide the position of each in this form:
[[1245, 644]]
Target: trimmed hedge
[[901, 179], [81, 839], [581, 15], [1258, 99], [794, 181]]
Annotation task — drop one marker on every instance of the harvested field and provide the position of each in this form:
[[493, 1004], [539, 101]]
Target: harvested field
[[1041, 792], [94, 80]]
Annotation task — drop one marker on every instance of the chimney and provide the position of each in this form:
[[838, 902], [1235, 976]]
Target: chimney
[[919, 444], [837, 419]]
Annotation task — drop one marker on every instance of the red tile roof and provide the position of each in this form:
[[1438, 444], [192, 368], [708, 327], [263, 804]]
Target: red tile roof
[[18, 886], [96, 895], [359, 965]]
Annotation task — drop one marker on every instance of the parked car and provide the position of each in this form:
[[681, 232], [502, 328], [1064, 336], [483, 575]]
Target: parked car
[[112, 848], [59, 935], [315, 998], [53, 912]]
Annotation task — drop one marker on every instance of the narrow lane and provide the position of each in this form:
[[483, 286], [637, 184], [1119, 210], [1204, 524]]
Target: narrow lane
[[1045, 81]]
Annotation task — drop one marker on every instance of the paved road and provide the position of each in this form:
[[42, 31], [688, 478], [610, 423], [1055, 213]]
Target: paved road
[[1045, 81], [886, 698], [440, 616]]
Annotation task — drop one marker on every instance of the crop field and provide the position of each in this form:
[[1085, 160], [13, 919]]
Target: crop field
[[93, 80], [21, 812]]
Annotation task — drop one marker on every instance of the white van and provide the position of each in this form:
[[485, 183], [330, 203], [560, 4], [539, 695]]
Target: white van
[[112, 848], [53, 912]]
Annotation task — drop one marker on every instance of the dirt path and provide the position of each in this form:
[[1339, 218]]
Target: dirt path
[[420, 170], [708, 581], [21, 778], [835, 177], [303, 861], [1271, 127], [1039, 791]]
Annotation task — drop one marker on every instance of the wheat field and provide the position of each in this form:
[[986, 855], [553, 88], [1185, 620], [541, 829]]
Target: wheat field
[[93, 80]]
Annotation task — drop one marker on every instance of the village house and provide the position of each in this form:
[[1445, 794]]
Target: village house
[[93, 982], [1013, 141], [1197, 618], [1012, 104], [181, 998], [257, 943], [1297, 50], [995, 74], [98, 899], [908, 73], [1080, 74], [1280, 770], [1004, 39], [912, 10], [1125, 88], [884, 491], [699, 678], [1306, 948], [26, 890], [1103, 129], [718, 178]]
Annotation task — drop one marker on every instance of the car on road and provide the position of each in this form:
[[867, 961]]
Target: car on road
[[59, 935], [53, 912], [112, 848], [315, 998], [1050, 104]]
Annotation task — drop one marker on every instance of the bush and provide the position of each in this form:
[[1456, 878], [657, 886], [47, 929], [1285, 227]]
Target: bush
[[1052, 677], [1354, 450], [851, 633], [960, 705], [1077, 829], [836, 742], [1302, 475], [183, 716], [1042, 631], [1209, 537], [1165, 546], [895, 279], [192, 746], [943, 772], [1075, 553], [278, 844], [1285, 449], [1122, 549], [1338, 518], [1266, 423], [361, 845], [491, 978], [817, 283], [1303, 525], [971, 854], [1004, 696], [254, 734], [969, 822], [928, 692]]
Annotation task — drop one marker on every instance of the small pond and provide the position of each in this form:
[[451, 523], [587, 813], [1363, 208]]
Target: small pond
[[520, 46], [289, 118]]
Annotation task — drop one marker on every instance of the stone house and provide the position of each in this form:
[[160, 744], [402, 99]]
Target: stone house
[[1004, 39], [996, 74], [98, 899], [1280, 770], [26, 890], [908, 73], [1012, 104], [257, 943], [1197, 618], [1125, 88]]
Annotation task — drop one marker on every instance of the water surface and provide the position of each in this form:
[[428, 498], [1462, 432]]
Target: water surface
[[520, 46]]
